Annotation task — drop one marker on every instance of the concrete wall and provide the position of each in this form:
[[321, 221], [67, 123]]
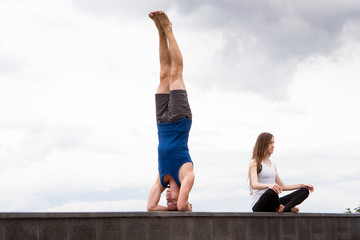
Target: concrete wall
[[175, 225]]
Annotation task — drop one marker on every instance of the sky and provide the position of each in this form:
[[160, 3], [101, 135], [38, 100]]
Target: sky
[[77, 113]]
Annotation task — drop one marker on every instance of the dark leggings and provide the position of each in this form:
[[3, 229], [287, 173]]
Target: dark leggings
[[270, 201]]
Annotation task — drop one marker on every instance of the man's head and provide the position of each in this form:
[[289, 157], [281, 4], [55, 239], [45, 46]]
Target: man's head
[[172, 195]]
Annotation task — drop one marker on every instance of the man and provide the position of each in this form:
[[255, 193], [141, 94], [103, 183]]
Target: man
[[174, 119]]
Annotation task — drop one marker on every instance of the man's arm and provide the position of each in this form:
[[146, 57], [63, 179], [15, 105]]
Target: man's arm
[[154, 197], [187, 181]]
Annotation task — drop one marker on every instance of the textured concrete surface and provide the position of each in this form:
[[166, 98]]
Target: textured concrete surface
[[175, 225]]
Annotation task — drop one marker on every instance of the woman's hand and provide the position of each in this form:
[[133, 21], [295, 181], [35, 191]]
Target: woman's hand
[[308, 187], [276, 188]]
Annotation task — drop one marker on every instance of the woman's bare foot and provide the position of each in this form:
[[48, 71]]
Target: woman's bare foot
[[294, 209], [281, 208]]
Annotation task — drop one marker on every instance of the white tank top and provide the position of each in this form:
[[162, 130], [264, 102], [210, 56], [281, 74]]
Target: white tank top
[[266, 176]]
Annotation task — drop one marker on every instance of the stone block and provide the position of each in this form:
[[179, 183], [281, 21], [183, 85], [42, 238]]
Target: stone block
[[238, 228], [182, 229], [20, 229], [202, 228], [288, 227], [82, 228], [257, 228], [354, 228], [302, 228], [316, 226], [274, 229], [2, 229], [159, 228], [53, 229], [175, 225], [136, 229], [110, 228]]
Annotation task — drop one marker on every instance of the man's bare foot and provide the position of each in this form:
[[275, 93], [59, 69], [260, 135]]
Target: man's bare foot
[[153, 16], [294, 209], [164, 21], [281, 208]]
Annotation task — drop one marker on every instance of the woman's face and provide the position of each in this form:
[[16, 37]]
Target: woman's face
[[270, 149]]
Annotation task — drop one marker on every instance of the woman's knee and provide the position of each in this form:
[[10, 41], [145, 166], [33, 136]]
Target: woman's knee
[[304, 191], [271, 193]]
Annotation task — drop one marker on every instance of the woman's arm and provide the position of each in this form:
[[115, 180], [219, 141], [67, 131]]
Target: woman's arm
[[289, 187], [254, 179]]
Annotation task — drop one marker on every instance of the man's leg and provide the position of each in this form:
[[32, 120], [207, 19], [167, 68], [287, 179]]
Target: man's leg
[[164, 53], [176, 78], [163, 89]]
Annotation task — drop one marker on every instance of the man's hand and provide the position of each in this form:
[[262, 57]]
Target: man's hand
[[189, 207]]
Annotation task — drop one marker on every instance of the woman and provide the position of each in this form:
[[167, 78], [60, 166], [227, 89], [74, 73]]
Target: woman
[[265, 183]]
